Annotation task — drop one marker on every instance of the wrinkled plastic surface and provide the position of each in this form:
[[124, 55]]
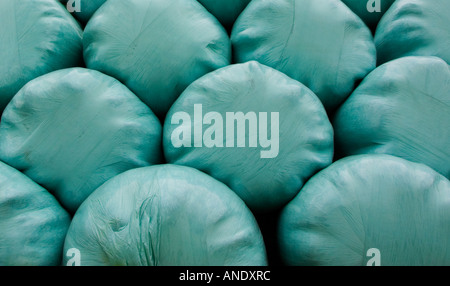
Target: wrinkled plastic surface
[[37, 37], [225, 11], [399, 207], [414, 28], [71, 130], [320, 43], [33, 224], [305, 143], [403, 109], [165, 215], [372, 17], [157, 48]]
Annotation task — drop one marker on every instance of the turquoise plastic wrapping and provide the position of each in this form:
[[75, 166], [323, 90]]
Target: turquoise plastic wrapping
[[369, 210], [184, 128], [320, 43], [71, 130], [414, 28], [370, 11], [225, 11], [165, 216], [156, 48], [37, 37], [402, 108], [281, 137], [83, 10], [88, 8], [33, 225]]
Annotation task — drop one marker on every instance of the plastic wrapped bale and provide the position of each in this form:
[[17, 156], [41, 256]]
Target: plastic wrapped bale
[[33, 225], [37, 37], [403, 109], [157, 48], [165, 215], [320, 43], [414, 28], [369, 210], [370, 11], [225, 11], [71, 130], [253, 128]]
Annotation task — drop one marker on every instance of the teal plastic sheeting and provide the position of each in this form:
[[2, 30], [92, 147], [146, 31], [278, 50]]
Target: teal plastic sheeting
[[83, 10], [33, 225], [320, 43], [369, 210], [71, 130], [402, 108], [36, 37], [414, 28], [225, 11], [87, 9], [370, 11], [253, 128], [156, 48], [165, 216]]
